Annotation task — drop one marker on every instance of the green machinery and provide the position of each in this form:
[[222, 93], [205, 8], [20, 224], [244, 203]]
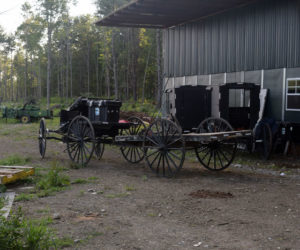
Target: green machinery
[[29, 112]]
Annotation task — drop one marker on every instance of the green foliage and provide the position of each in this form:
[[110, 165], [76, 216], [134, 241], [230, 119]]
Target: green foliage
[[80, 181], [53, 180], [46, 184], [14, 160], [2, 202], [20, 233], [147, 107], [2, 188]]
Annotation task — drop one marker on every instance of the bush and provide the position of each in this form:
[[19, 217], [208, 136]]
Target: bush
[[20, 233]]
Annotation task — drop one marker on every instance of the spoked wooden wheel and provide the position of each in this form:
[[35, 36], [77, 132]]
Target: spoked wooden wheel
[[218, 154], [134, 154], [264, 140], [164, 148], [42, 138], [99, 150], [80, 140]]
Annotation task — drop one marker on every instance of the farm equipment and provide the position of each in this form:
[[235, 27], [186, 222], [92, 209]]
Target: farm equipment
[[88, 124], [29, 112]]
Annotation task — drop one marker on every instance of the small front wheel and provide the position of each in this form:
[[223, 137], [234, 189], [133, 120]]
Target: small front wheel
[[134, 154], [81, 140]]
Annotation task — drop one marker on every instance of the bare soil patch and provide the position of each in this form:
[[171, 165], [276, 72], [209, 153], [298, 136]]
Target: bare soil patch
[[124, 206], [206, 194]]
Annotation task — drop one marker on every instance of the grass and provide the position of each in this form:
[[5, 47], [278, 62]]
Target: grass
[[64, 242], [80, 181], [2, 202], [19, 232], [46, 185], [14, 160], [130, 188], [119, 195]]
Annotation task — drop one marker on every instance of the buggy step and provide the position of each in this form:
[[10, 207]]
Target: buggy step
[[9, 174]]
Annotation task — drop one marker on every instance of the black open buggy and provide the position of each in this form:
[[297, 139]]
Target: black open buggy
[[88, 124]]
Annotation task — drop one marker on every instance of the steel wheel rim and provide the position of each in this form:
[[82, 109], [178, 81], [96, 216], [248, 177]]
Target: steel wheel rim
[[81, 140], [99, 150], [217, 155], [42, 138], [134, 154], [164, 148]]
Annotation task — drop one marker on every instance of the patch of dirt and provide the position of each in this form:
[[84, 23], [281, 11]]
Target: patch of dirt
[[206, 194], [158, 213]]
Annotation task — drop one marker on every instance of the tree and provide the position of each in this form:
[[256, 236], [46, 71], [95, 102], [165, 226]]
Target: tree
[[51, 10]]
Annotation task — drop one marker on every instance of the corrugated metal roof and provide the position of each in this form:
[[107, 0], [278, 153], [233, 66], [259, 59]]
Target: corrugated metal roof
[[167, 13]]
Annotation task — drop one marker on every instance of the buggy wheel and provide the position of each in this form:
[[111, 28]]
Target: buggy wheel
[[265, 141], [42, 138], [80, 140], [99, 150], [219, 154], [164, 148], [134, 154], [25, 119]]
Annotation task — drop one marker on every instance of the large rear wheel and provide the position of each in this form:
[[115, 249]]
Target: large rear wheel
[[218, 154], [164, 148]]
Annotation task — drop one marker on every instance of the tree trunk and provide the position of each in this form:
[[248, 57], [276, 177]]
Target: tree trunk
[[26, 75], [48, 63], [11, 77], [134, 64], [97, 73], [107, 80], [145, 74], [88, 67], [39, 79], [71, 73], [115, 66], [158, 60], [67, 72]]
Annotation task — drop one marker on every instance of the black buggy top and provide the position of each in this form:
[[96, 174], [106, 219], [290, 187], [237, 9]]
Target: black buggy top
[[102, 113]]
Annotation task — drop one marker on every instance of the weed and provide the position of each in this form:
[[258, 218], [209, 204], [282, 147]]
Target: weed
[[93, 178], [43, 211], [63, 242], [2, 188], [2, 202], [120, 195], [79, 181], [53, 180], [144, 178], [20, 233], [81, 193], [13, 160], [152, 215], [130, 188], [75, 165], [46, 185], [25, 197]]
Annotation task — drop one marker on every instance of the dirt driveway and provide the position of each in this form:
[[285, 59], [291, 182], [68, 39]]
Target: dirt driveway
[[128, 207]]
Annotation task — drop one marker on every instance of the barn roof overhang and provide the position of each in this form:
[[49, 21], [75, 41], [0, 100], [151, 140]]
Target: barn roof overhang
[[167, 13]]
